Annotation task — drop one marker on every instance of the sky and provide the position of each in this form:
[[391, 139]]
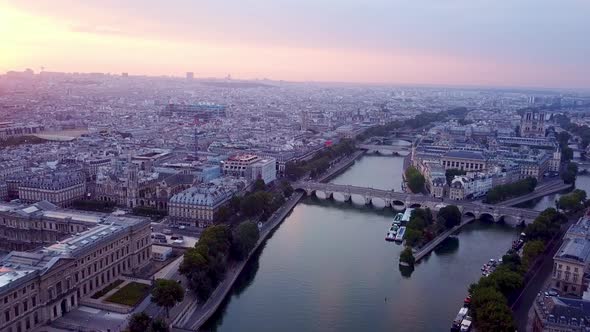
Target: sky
[[527, 43]]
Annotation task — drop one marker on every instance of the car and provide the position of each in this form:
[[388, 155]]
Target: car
[[181, 227], [551, 292], [167, 231]]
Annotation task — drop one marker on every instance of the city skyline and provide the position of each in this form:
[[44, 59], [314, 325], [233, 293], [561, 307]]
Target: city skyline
[[536, 44]]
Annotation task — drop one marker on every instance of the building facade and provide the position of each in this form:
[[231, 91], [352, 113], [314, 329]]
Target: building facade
[[60, 188], [198, 206], [37, 287], [532, 124], [464, 160], [264, 169]]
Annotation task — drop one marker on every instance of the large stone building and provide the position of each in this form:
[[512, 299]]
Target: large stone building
[[10, 167], [559, 314], [251, 167], [571, 263], [89, 251], [198, 206], [134, 188], [59, 188], [3, 191], [464, 160], [532, 124]]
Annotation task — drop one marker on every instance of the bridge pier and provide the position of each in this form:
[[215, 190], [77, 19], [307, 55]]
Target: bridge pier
[[347, 197], [329, 195], [309, 192], [387, 202], [368, 200]]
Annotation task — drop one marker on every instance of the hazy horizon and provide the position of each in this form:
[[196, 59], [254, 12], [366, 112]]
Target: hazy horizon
[[477, 43]]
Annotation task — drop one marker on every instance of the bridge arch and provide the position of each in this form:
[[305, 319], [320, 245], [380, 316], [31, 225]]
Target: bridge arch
[[323, 194], [398, 205], [510, 220], [379, 202], [485, 216], [469, 214]]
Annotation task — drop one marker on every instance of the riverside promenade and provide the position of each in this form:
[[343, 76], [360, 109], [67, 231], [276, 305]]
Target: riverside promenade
[[195, 315], [192, 316]]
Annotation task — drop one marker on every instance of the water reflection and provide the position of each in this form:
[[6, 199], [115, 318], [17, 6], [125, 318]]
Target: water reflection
[[406, 271], [448, 246]]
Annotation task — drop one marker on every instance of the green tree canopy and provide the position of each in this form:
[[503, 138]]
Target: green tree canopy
[[139, 322], [166, 293], [531, 250], [415, 179], [407, 256], [245, 237], [573, 201], [159, 325], [449, 216], [259, 185]]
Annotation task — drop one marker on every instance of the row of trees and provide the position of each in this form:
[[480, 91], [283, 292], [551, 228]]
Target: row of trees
[[257, 204], [205, 265], [415, 179], [506, 191], [582, 131], [568, 174], [93, 205], [419, 121], [142, 322], [417, 229], [567, 153], [320, 161], [573, 201], [421, 228], [166, 294], [491, 295]]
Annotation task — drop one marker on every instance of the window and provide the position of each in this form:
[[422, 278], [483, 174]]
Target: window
[[6, 315]]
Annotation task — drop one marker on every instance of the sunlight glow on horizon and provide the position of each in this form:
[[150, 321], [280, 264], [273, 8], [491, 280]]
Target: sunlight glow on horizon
[[31, 40]]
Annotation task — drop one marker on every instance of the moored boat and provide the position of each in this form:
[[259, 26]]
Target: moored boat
[[400, 234]]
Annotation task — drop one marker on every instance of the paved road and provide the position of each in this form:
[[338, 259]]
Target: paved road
[[544, 189], [523, 304]]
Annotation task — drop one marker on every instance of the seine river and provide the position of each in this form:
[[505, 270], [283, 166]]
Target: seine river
[[328, 268]]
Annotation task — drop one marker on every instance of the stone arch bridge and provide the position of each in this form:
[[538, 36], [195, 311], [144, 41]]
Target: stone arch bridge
[[399, 201]]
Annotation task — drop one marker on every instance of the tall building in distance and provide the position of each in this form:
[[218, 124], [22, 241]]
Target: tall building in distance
[[532, 124], [190, 75]]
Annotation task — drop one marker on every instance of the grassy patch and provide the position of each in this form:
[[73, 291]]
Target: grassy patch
[[107, 289], [131, 294]]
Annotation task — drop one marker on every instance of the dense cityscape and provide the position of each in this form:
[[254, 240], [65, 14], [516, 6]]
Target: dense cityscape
[[133, 200]]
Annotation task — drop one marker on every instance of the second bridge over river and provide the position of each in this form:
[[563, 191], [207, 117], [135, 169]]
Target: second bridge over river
[[399, 201]]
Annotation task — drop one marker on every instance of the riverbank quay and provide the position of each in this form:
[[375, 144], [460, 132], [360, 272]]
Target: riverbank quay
[[536, 277], [195, 315], [544, 189], [340, 167]]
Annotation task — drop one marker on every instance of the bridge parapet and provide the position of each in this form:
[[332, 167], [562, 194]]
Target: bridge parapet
[[404, 200]]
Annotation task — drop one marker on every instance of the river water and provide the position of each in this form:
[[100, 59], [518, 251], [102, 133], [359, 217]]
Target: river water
[[328, 268], [582, 182]]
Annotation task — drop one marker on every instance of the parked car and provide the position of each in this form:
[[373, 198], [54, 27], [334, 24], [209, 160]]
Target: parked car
[[167, 231]]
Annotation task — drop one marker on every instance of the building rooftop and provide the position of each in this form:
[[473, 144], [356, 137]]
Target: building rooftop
[[465, 154], [575, 249]]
